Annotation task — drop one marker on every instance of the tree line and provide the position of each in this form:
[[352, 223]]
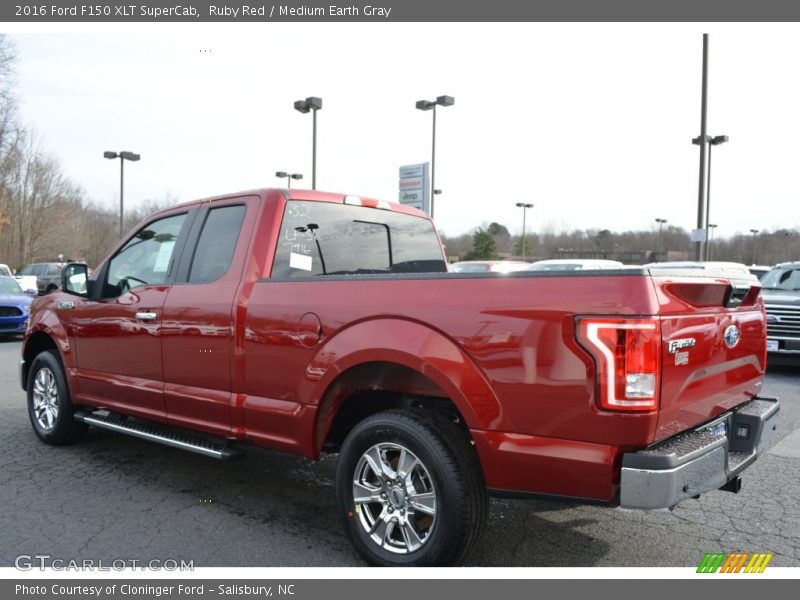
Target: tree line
[[494, 241]]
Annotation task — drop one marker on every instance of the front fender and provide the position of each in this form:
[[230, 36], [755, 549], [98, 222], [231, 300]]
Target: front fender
[[43, 320], [416, 346]]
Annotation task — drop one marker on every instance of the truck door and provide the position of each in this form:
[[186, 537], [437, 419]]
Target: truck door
[[198, 340], [117, 332]]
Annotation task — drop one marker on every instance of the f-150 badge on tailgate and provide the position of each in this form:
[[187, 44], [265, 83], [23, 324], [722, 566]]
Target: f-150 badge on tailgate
[[675, 345]]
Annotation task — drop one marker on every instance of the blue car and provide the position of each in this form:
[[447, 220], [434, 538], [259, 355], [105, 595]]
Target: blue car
[[15, 306]]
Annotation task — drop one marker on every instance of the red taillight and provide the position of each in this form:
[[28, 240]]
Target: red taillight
[[628, 357]]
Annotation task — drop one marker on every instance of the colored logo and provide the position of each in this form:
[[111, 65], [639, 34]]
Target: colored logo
[[737, 562], [731, 336]]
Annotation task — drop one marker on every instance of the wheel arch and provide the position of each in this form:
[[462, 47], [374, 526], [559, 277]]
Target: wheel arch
[[47, 333], [394, 362]]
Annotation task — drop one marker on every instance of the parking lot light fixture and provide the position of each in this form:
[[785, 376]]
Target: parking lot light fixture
[[754, 232], [311, 104], [288, 177], [711, 228], [712, 141], [660, 225], [524, 206], [122, 156], [431, 105]]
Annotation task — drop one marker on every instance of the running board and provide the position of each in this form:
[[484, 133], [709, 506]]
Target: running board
[[177, 439]]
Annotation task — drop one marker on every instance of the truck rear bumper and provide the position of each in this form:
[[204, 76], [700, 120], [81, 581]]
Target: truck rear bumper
[[698, 461]]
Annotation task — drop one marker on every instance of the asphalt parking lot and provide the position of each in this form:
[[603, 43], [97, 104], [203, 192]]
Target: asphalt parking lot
[[115, 497]]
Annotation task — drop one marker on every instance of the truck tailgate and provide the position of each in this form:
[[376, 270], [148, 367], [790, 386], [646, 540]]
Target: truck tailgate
[[714, 348]]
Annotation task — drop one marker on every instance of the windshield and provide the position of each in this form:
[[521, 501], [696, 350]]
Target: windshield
[[782, 279], [9, 286]]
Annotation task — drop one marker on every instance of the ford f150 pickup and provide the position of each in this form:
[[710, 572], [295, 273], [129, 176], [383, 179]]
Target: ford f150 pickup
[[781, 286], [312, 322]]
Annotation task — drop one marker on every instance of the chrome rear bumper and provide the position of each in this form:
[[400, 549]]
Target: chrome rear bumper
[[698, 461]]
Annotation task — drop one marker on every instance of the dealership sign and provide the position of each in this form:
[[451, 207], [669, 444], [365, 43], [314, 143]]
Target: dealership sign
[[414, 189]]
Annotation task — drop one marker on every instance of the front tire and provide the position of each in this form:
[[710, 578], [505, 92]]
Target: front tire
[[49, 405], [410, 490]]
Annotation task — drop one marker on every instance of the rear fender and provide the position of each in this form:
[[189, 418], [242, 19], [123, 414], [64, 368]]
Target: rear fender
[[409, 344]]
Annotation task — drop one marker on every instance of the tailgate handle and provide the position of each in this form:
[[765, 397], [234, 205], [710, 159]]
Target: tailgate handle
[[737, 295]]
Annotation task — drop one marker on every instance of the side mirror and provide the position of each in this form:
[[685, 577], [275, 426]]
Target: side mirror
[[74, 278], [32, 293]]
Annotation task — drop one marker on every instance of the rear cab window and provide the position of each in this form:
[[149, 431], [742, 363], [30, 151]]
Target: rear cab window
[[217, 243], [322, 238]]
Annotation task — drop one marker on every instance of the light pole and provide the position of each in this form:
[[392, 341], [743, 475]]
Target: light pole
[[122, 156], [431, 105], [698, 245], [289, 177], [754, 232], [524, 206], [711, 228], [712, 141], [313, 104], [660, 225]]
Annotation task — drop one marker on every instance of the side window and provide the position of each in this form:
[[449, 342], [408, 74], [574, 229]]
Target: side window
[[217, 243], [146, 258], [53, 269]]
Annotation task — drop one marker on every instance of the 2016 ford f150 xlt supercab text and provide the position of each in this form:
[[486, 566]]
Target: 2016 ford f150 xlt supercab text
[[313, 322]]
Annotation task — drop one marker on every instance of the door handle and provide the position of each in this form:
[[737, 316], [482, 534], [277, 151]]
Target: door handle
[[146, 316], [68, 305]]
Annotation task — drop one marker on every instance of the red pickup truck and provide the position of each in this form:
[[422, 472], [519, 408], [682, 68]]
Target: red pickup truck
[[312, 322]]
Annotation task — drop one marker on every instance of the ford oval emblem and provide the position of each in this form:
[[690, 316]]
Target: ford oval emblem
[[731, 336]]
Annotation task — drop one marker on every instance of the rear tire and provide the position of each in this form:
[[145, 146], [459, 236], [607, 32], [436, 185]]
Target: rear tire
[[410, 490], [49, 405]]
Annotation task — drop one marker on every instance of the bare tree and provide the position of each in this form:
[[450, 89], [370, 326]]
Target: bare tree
[[9, 130]]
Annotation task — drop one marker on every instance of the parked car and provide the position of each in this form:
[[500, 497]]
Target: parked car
[[26, 282], [48, 275], [311, 322], [488, 266], [721, 268], [781, 293], [577, 264], [14, 307], [759, 270]]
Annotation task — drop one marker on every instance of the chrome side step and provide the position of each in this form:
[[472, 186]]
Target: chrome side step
[[175, 438]]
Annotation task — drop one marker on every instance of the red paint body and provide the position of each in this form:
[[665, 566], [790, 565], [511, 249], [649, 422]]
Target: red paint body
[[254, 359]]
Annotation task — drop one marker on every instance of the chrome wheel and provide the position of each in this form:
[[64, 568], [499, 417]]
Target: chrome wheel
[[45, 399], [394, 498]]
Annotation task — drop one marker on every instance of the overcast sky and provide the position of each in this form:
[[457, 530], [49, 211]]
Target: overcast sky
[[590, 123]]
